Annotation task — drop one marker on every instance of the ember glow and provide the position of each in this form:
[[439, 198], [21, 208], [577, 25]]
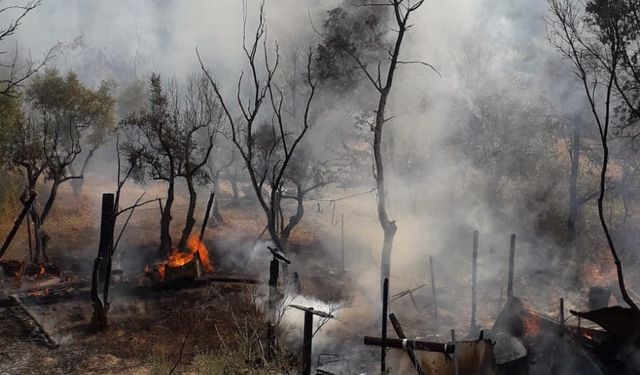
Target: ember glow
[[531, 325]]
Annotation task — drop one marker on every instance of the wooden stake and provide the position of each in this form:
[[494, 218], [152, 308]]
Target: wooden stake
[[512, 254], [455, 352], [561, 318], [342, 239], [385, 301], [274, 269], [306, 343], [433, 291], [29, 237], [474, 277]]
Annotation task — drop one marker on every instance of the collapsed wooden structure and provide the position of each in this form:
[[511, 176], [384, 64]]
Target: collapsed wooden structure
[[523, 341]]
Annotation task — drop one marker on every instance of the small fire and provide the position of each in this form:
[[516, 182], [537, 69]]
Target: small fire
[[531, 325], [42, 270], [196, 245], [178, 258], [587, 335]]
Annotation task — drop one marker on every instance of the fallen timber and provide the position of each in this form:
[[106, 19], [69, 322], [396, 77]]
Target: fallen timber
[[55, 295], [22, 313], [473, 357], [413, 344]]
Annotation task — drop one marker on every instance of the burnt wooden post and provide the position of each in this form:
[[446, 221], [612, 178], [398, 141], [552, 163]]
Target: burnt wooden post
[[562, 323], [272, 299], [512, 254], [206, 214], [474, 277], [342, 239], [455, 352], [29, 237], [306, 342], [385, 306], [307, 339], [274, 269], [410, 350], [101, 276], [433, 291]]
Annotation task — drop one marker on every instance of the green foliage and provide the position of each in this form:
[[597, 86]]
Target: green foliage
[[350, 30], [64, 101], [11, 119]]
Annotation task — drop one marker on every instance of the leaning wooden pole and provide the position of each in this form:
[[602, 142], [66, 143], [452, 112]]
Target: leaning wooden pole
[[206, 214], [512, 254], [16, 225], [409, 348], [474, 277]]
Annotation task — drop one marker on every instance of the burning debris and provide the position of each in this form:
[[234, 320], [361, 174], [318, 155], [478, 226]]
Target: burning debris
[[189, 264]]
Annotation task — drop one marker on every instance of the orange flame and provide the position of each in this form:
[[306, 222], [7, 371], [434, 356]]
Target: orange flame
[[178, 258], [195, 245], [531, 325]]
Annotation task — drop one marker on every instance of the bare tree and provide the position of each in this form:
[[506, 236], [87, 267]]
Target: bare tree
[[262, 116], [13, 72], [595, 49], [267, 162], [383, 83], [174, 136]]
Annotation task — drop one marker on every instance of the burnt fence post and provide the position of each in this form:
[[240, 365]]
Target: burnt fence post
[[101, 276]]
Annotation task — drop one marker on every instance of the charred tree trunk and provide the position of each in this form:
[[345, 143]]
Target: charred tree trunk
[[165, 222], [78, 183], [101, 277], [40, 236], [49, 204], [296, 218], [233, 181], [389, 227], [191, 220], [605, 227], [217, 217], [573, 179]]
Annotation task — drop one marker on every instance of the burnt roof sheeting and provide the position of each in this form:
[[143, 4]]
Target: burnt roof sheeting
[[620, 322]]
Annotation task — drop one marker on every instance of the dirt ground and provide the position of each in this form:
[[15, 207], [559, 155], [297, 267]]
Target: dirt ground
[[216, 329], [194, 329]]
